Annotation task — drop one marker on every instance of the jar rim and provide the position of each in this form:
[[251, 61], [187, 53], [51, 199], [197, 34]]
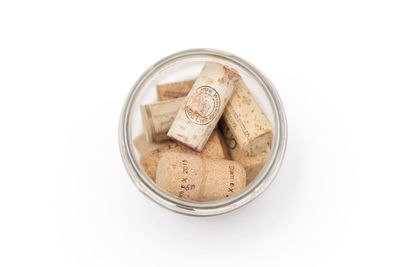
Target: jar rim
[[252, 191]]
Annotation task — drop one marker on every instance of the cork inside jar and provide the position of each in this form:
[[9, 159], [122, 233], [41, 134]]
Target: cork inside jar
[[183, 66]]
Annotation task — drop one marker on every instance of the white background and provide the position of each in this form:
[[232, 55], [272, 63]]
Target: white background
[[66, 68]]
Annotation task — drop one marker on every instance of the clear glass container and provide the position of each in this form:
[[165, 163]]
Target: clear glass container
[[186, 65]]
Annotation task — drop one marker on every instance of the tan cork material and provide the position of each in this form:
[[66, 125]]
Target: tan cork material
[[143, 146], [215, 149], [191, 177], [251, 164], [221, 178], [180, 175], [247, 122], [245, 118], [158, 117], [203, 106], [174, 90]]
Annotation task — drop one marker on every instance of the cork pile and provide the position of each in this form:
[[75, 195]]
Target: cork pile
[[205, 139]]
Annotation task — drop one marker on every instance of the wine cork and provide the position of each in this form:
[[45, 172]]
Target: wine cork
[[252, 164], [180, 175], [215, 149], [247, 122], [203, 106], [244, 116], [222, 178], [143, 146], [174, 90], [158, 117], [191, 177]]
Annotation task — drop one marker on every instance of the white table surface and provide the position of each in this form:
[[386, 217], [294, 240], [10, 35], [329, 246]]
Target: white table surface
[[66, 68]]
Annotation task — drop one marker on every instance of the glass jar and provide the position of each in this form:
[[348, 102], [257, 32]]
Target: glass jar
[[186, 65]]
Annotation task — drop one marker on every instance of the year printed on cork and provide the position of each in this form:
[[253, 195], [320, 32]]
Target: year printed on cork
[[191, 177], [180, 174], [185, 185]]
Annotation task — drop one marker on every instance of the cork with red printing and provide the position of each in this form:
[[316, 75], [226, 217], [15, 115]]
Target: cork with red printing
[[203, 106], [246, 120]]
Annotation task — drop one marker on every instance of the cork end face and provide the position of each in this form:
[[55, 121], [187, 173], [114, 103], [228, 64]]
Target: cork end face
[[258, 145], [231, 73], [252, 173], [253, 165]]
